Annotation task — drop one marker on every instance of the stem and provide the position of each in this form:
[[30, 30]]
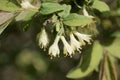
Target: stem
[[77, 4]]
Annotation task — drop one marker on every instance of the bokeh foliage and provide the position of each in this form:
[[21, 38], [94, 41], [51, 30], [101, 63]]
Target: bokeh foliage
[[22, 59]]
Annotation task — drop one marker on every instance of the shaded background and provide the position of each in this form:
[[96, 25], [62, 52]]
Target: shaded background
[[22, 59]]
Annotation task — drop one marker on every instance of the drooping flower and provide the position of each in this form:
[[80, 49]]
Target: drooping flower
[[54, 49], [26, 4], [68, 50], [76, 45], [83, 37], [43, 39]]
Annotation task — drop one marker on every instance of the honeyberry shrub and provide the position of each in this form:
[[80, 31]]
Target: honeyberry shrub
[[84, 28]]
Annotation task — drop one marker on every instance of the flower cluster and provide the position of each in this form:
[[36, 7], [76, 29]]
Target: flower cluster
[[74, 43], [77, 40]]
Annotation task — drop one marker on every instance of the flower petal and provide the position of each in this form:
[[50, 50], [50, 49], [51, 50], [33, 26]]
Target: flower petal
[[76, 45], [54, 49], [43, 39], [68, 50], [83, 37]]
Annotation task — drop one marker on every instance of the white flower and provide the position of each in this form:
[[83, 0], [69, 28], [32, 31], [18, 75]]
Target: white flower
[[76, 45], [26, 4], [83, 37], [43, 39], [86, 13], [54, 49], [68, 50]]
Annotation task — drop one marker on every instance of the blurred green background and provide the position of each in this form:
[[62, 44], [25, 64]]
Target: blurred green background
[[22, 59]]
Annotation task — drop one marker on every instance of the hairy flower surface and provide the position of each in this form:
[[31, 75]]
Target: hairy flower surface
[[76, 45], [68, 50], [26, 4], [83, 37], [54, 49], [43, 39]]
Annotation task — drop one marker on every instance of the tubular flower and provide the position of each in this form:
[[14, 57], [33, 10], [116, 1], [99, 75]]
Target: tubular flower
[[54, 49], [83, 37], [86, 13], [26, 4], [76, 45], [43, 39], [68, 50]]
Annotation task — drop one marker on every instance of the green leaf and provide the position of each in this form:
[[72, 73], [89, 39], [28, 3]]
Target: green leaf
[[49, 0], [76, 20], [25, 16], [116, 34], [101, 6], [5, 19], [65, 12], [3, 26], [91, 60], [113, 47], [49, 8], [5, 16], [9, 5]]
